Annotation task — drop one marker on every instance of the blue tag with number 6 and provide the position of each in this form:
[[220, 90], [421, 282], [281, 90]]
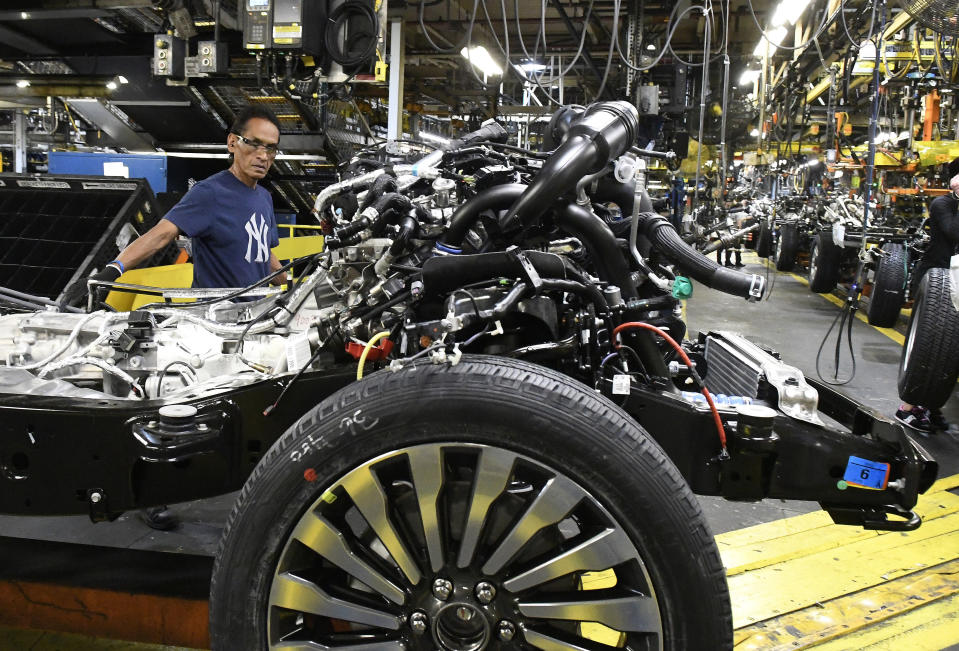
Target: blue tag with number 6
[[863, 473]]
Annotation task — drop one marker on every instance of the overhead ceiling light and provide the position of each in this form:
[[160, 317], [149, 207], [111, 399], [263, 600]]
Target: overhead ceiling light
[[111, 85], [748, 77], [481, 59], [531, 66], [754, 132], [651, 47], [789, 11], [122, 79], [23, 83], [774, 37], [432, 137]]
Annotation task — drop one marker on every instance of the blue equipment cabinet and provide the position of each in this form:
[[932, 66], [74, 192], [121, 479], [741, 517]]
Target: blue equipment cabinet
[[152, 167]]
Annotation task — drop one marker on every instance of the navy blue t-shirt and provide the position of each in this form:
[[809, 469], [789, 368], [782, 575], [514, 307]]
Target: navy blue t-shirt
[[232, 227]]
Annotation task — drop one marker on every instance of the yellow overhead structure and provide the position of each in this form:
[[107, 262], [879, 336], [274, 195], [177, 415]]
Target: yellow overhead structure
[[900, 22]]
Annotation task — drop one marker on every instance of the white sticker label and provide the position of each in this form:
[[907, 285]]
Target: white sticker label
[[620, 385], [297, 351], [59, 185], [101, 185], [116, 168]]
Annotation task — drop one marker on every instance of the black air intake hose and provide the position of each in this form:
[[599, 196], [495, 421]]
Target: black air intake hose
[[622, 194], [665, 239], [601, 244], [499, 197], [442, 274], [604, 132], [492, 132]]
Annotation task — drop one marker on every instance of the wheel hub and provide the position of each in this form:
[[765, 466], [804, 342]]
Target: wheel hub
[[461, 626]]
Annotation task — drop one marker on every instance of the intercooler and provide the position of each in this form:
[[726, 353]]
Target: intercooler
[[738, 367]]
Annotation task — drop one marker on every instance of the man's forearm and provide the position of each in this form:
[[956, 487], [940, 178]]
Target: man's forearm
[[148, 244]]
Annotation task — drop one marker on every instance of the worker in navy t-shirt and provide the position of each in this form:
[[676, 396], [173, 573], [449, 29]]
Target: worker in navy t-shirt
[[228, 217]]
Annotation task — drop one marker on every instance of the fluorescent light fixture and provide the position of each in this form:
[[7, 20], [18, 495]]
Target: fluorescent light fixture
[[23, 83], [774, 37], [480, 57], [432, 137], [111, 85], [748, 77], [531, 66], [122, 79], [754, 133], [789, 11]]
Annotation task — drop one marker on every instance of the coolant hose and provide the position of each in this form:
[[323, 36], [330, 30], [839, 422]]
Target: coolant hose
[[604, 132], [380, 186], [408, 227], [664, 238]]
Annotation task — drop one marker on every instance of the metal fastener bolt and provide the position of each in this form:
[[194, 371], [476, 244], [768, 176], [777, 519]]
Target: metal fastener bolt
[[442, 589], [485, 592], [96, 497], [505, 630], [419, 622]]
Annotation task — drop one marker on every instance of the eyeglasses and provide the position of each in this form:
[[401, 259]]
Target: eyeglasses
[[271, 150]]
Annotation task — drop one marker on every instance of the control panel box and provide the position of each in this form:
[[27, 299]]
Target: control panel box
[[211, 57], [169, 54], [299, 25], [257, 19]]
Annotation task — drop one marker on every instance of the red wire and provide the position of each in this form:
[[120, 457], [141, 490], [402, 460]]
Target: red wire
[[682, 353]]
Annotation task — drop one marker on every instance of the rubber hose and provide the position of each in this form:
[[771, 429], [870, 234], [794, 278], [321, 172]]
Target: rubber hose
[[599, 240], [408, 227], [499, 197], [380, 186], [442, 274], [665, 239], [608, 189]]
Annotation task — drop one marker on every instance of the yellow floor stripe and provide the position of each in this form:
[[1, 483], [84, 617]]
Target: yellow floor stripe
[[805, 522], [801, 582], [931, 628], [842, 617], [757, 555]]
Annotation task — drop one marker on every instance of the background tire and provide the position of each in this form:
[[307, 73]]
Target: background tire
[[888, 287], [787, 245], [397, 450], [825, 259], [764, 240], [929, 364]]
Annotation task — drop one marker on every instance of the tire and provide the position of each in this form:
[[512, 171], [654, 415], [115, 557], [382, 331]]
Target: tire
[[379, 450], [929, 364], [764, 240], [787, 245], [824, 263], [888, 287]]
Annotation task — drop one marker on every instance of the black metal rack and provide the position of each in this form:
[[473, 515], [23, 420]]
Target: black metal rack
[[56, 229]]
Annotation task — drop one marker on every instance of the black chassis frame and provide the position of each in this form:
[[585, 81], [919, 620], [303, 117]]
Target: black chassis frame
[[62, 455]]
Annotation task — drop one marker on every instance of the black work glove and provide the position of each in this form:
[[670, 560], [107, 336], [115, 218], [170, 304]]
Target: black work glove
[[76, 294]]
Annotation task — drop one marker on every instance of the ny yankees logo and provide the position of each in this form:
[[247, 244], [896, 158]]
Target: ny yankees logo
[[257, 234]]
